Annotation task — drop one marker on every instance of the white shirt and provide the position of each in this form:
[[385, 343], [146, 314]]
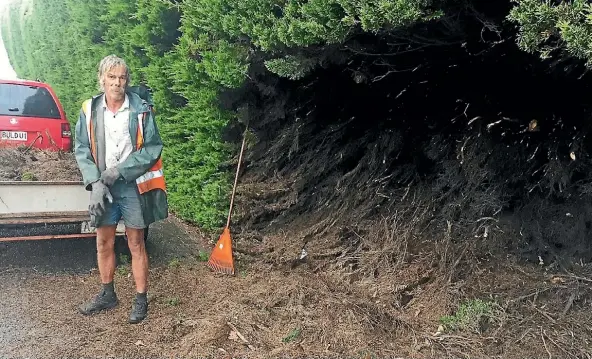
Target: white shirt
[[118, 143]]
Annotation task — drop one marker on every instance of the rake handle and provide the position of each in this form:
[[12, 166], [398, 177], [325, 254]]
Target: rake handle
[[240, 157]]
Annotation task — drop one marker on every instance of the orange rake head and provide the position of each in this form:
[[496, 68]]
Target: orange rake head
[[221, 259]]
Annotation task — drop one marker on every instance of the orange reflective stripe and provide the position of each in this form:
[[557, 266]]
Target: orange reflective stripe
[[140, 137], [155, 183], [87, 110], [93, 145], [154, 178]]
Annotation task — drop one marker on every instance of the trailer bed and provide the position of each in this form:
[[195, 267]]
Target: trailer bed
[[31, 210]]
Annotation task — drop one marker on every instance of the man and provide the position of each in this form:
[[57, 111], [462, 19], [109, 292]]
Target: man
[[118, 148]]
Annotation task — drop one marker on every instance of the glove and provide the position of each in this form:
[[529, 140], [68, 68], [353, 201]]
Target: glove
[[94, 221], [109, 176], [98, 195]]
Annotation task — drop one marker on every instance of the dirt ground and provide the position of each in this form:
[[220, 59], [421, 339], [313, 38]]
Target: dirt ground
[[307, 309], [421, 299]]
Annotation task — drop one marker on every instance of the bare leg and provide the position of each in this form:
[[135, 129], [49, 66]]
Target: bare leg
[[135, 241], [106, 253]]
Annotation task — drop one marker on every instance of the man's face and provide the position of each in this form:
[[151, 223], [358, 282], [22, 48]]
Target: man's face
[[115, 80]]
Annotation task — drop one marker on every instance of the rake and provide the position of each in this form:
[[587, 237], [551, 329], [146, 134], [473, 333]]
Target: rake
[[221, 259]]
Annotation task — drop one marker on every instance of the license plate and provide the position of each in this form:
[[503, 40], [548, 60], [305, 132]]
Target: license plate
[[86, 227], [13, 135]]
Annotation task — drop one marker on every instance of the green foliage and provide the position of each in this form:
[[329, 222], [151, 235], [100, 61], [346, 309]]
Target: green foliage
[[469, 316], [290, 66], [224, 26], [123, 270], [203, 256], [551, 29], [28, 176], [175, 263], [124, 259], [292, 335], [172, 301], [124, 267]]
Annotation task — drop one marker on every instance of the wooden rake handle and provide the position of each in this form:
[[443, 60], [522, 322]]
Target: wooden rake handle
[[240, 157]]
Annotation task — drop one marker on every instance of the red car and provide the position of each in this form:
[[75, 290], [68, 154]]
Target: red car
[[32, 115]]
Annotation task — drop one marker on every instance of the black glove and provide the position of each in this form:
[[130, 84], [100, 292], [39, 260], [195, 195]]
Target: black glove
[[97, 205], [109, 176]]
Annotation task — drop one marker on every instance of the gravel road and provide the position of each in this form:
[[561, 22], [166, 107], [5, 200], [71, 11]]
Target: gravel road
[[21, 297]]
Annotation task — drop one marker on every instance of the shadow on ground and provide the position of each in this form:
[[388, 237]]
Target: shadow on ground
[[167, 240]]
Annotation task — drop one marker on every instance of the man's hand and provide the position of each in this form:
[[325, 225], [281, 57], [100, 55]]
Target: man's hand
[[109, 176], [99, 194]]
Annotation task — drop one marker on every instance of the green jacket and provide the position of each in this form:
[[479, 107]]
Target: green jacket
[[154, 203]]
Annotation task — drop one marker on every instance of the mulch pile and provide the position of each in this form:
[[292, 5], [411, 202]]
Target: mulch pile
[[23, 164]]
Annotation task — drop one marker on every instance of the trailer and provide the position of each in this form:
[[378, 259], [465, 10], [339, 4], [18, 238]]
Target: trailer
[[31, 210]]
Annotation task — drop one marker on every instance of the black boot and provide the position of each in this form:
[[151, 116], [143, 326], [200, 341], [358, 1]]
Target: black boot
[[106, 299], [139, 308]]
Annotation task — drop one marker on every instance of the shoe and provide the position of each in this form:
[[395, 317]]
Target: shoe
[[101, 301], [139, 311]]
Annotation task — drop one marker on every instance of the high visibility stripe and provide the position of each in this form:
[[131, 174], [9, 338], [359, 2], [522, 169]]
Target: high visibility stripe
[[154, 178], [140, 137], [150, 175], [86, 108], [151, 180]]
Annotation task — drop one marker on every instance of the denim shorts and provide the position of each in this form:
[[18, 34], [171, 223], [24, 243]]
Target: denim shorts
[[126, 205]]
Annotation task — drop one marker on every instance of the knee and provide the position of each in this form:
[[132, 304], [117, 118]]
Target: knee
[[135, 241], [105, 245], [135, 246], [105, 239]]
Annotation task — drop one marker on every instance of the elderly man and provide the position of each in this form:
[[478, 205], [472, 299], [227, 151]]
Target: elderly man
[[118, 148]]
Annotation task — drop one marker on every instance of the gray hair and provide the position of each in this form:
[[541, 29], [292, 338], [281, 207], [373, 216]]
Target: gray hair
[[106, 64]]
